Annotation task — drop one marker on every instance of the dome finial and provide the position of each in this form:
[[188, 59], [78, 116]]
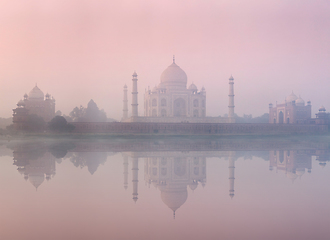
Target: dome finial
[[173, 58], [173, 214]]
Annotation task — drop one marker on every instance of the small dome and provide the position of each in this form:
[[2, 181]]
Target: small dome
[[174, 76], [36, 94], [292, 97], [192, 87], [161, 86], [322, 109], [291, 175], [231, 78], [300, 101], [20, 103]]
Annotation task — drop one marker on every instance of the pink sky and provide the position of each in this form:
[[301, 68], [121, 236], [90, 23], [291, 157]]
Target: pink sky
[[79, 50]]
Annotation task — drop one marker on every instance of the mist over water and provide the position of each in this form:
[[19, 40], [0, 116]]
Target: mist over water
[[165, 188]]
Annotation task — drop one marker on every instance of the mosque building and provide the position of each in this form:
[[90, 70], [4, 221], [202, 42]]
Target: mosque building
[[34, 103], [172, 101], [293, 110]]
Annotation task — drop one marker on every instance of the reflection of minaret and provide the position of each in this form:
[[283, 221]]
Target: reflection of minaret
[[134, 96], [231, 105], [125, 104], [231, 173], [125, 171], [135, 179]]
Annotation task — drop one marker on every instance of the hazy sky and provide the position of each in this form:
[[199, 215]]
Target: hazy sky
[[78, 50]]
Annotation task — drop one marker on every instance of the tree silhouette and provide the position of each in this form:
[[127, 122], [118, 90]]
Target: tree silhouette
[[59, 124]]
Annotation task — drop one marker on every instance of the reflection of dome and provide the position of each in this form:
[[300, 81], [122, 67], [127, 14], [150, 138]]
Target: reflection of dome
[[36, 179], [21, 170], [300, 171], [322, 164], [291, 175], [36, 94], [173, 75], [292, 97], [193, 185], [174, 198], [300, 102]]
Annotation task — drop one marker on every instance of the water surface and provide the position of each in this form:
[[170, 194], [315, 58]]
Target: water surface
[[165, 189]]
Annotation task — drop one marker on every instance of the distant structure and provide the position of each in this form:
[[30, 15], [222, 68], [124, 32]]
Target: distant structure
[[172, 101], [322, 117], [34, 103], [292, 111]]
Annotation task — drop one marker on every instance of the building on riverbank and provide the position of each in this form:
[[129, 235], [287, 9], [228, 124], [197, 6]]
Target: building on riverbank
[[35, 103], [172, 101]]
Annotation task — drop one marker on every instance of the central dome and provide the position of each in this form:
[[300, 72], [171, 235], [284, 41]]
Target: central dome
[[36, 94], [174, 76]]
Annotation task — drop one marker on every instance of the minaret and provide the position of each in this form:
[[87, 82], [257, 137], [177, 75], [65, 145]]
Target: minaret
[[125, 104], [231, 105], [135, 96], [125, 163], [231, 173], [135, 181]]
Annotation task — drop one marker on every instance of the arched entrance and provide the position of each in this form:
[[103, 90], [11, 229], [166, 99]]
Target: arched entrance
[[280, 117], [179, 108]]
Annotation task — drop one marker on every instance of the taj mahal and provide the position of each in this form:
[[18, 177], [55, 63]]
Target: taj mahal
[[173, 101]]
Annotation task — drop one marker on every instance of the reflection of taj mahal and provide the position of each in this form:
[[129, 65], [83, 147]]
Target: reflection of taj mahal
[[172, 101], [173, 173]]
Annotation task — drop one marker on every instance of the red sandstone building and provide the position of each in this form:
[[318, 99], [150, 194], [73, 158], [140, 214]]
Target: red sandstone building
[[293, 110], [34, 103]]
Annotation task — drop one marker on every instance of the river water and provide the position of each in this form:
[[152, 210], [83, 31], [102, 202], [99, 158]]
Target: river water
[[173, 188]]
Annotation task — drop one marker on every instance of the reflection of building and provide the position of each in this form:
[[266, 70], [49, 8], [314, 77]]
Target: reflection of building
[[173, 172], [172, 101], [34, 103], [35, 168], [292, 163], [293, 110], [172, 176]]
